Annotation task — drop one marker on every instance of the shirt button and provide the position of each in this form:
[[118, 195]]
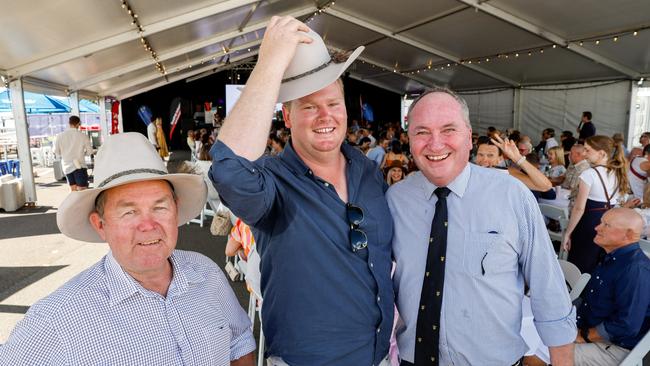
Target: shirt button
[[371, 265], [378, 299], [378, 329], [327, 184]]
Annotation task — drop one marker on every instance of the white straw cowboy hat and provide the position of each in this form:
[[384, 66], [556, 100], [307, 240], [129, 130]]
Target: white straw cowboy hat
[[127, 158], [311, 69]]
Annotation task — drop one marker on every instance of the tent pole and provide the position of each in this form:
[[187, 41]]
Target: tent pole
[[105, 127], [631, 112], [74, 103], [516, 113], [22, 137]]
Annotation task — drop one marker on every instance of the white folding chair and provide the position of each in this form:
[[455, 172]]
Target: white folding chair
[[575, 280], [645, 246], [561, 214], [255, 301], [638, 353]]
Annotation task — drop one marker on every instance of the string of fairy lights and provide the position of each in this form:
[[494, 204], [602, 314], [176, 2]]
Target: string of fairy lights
[[522, 53], [143, 40], [511, 55], [320, 10]]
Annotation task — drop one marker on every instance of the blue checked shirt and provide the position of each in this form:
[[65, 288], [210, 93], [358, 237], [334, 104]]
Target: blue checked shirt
[[104, 317], [496, 243]]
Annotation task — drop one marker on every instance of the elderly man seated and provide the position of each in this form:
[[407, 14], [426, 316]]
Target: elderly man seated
[[144, 303], [615, 312]]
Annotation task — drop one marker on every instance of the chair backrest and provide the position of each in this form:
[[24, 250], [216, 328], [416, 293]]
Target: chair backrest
[[636, 355], [575, 280], [561, 214], [554, 212], [645, 246]]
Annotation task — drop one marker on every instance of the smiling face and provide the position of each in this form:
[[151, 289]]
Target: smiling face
[[440, 137], [396, 174], [140, 225], [488, 155], [318, 122]]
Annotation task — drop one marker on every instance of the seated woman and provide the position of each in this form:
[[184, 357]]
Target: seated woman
[[394, 173], [556, 159]]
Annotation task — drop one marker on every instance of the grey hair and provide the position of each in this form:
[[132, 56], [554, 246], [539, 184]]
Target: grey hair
[[464, 109]]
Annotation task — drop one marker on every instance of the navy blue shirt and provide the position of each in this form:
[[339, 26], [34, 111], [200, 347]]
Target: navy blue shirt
[[323, 303], [617, 298]]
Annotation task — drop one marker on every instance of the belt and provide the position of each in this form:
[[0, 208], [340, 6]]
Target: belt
[[406, 363]]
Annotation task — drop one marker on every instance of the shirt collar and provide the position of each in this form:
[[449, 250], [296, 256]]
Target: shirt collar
[[457, 186], [583, 162], [291, 158], [623, 251], [122, 286]]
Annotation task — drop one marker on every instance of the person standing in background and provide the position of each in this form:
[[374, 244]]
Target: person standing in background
[[586, 128], [160, 139], [72, 146]]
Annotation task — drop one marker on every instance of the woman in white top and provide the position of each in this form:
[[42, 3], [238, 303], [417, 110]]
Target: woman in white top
[[608, 162], [638, 173]]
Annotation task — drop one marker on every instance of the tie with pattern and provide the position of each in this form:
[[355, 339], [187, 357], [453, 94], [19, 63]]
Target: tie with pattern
[[427, 333]]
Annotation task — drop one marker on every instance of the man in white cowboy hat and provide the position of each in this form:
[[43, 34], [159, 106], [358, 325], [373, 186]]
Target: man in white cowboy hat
[[317, 210], [144, 303]]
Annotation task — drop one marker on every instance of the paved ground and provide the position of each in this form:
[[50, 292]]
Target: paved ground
[[35, 258]]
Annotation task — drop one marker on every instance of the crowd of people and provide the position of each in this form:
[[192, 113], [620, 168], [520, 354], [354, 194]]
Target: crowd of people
[[430, 237]]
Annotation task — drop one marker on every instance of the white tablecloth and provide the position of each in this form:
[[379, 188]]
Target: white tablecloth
[[529, 333], [561, 200]]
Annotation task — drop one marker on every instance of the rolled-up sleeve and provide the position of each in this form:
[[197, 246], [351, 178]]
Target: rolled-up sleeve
[[554, 315], [244, 186], [242, 341]]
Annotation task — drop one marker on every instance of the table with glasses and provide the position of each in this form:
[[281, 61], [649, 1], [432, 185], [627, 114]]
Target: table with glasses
[[561, 200]]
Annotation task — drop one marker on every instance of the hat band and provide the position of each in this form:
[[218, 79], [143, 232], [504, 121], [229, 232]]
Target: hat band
[[317, 69], [129, 172]]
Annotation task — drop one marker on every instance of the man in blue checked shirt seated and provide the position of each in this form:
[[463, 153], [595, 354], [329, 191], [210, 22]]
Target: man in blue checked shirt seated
[[615, 311], [144, 303]]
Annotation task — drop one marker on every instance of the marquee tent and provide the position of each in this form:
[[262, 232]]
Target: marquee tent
[[517, 62]]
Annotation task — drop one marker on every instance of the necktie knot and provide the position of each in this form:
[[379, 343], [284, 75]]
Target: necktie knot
[[442, 192]]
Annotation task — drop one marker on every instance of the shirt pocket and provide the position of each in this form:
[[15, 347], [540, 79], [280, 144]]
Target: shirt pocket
[[487, 254], [217, 335]]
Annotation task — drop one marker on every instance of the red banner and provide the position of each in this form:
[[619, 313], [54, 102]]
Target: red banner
[[115, 121]]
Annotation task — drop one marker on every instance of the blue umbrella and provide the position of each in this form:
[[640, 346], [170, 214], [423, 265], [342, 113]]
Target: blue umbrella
[[34, 103], [86, 106]]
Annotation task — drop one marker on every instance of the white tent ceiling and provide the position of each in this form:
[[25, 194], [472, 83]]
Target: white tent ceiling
[[93, 47]]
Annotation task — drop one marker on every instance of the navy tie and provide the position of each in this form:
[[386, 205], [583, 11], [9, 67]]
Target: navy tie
[[427, 333]]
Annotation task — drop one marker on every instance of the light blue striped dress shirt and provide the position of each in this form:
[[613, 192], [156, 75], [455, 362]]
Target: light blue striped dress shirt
[[104, 317], [497, 241]]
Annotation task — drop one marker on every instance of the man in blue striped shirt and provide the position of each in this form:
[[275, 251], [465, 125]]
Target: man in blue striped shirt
[[496, 243], [144, 303]]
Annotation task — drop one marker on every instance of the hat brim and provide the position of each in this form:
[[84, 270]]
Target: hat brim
[[309, 84], [73, 214]]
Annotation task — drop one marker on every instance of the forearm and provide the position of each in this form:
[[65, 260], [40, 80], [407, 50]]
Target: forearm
[[538, 178], [246, 128], [246, 360], [562, 355], [576, 215]]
